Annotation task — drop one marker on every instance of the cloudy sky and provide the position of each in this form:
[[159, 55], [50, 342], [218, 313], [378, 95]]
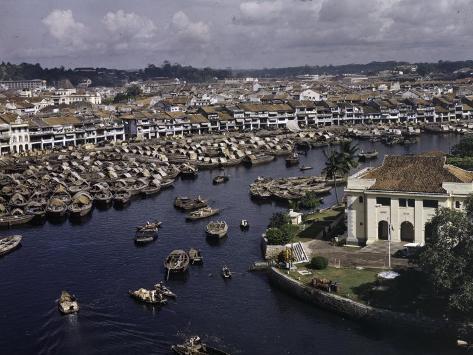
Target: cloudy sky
[[233, 33]]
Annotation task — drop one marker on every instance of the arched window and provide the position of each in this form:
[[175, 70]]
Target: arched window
[[457, 204]]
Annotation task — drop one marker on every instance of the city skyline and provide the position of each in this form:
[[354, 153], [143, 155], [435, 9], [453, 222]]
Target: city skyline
[[239, 34]]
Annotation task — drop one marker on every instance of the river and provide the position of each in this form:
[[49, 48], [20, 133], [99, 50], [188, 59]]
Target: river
[[98, 261]]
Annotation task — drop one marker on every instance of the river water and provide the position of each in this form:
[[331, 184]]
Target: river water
[[98, 261]]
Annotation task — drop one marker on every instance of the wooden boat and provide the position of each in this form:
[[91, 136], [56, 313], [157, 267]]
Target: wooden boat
[[220, 179], [8, 244], [36, 208], [226, 273], [188, 170], [138, 186], [81, 204], [163, 290], [103, 197], [177, 261], [305, 167], [194, 346], [367, 155], [166, 184], [217, 229], [244, 225], [56, 207], [147, 232], [121, 198], [189, 204], [151, 190], [68, 303], [195, 256], [202, 213], [15, 217], [258, 159], [293, 159], [148, 296]]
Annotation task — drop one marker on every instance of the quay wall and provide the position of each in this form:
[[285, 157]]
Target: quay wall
[[371, 315]]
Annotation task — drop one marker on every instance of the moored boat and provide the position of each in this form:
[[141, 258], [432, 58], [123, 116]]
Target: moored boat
[[305, 167], [147, 232], [15, 217], [367, 155], [244, 225], [121, 198], [220, 179], [217, 229], [177, 261], [226, 273], [189, 204], [257, 159], [67, 303], [148, 296], [8, 244], [293, 159], [195, 256], [194, 346], [163, 290], [81, 204], [56, 208], [202, 213]]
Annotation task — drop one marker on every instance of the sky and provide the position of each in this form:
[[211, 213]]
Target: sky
[[233, 33]]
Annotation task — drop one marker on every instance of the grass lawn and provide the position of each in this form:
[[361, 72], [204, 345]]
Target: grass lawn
[[317, 222], [348, 278]]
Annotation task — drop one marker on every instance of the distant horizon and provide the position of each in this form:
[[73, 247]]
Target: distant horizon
[[230, 68]]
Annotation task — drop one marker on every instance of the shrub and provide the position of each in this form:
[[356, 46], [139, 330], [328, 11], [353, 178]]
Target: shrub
[[319, 263], [289, 232], [310, 201], [274, 236], [278, 219]]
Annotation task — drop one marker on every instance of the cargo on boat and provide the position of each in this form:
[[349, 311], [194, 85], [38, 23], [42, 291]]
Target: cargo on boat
[[217, 229], [293, 159], [81, 204], [194, 346], [163, 290], [220, 179], [177, 261], [189, 204], [148, 296], [56, 208], [147, 232], [367, 155], [9, 244], [258, 159], [121, 198], [202, 213], [67, 303], [195, 256]]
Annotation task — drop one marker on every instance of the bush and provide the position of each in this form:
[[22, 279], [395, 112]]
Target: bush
[[289, 232], [319, 263], [274, 236], [278, 219], [310, 201]]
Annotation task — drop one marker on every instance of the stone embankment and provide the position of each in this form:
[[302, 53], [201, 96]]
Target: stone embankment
[[371, 315]]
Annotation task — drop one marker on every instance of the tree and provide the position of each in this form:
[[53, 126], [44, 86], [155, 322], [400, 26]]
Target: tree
[[447, 258], [276, 237], [464, 147], [310, 201], [279, 219]]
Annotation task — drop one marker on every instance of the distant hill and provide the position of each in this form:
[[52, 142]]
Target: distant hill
[[117, 77]]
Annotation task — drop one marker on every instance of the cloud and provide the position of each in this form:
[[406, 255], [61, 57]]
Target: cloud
[[129, 25], [63, 27], [189, 31], [260, 12]]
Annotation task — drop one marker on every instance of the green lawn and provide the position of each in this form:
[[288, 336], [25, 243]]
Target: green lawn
[[317, 221], [349, 279]]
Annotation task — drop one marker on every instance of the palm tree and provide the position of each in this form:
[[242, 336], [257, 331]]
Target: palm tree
[[340, 163], [333, 165]]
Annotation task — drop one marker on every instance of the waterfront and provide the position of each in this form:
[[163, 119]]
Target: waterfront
[[98, 261]]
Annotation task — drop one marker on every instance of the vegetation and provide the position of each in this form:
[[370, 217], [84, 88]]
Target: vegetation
[[279, 219], [339, 163], [109, 77], [462, 153], [318, 263], [309, 201], [131, 92], [289, 231], [276, 237]]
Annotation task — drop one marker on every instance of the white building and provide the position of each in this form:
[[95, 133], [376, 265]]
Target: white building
[[401, 196], [309, 95]]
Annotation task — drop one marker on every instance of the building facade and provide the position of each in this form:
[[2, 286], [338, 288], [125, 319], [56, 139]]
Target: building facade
[[398, 198]]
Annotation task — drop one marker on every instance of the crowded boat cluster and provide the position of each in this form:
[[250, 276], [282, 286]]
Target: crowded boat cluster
[[291, 188]]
